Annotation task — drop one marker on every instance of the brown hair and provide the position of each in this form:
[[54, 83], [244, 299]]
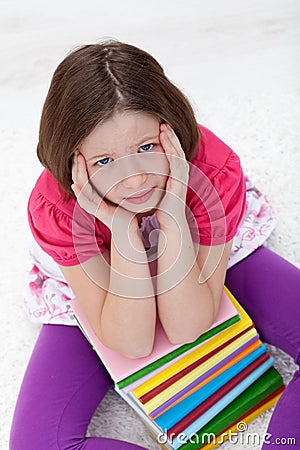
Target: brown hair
[[93, 83]]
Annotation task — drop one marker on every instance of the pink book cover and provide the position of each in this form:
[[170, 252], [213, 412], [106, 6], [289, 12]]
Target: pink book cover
[[121, 367]]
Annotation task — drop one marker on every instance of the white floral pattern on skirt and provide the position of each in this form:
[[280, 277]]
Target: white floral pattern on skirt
[[257, 225], [47, 295]]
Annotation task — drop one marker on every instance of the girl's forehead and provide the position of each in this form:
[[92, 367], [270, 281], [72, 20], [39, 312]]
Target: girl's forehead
[[123, 129], [128, 122]]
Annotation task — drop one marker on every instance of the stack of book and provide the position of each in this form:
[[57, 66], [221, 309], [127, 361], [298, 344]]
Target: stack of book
[[195, 395]]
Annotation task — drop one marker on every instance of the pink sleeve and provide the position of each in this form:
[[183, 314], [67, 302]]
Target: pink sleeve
[[218, 203], [68, 237]]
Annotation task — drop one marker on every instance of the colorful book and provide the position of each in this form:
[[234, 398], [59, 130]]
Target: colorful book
[[257, 398], [207, 386], [173, 415], [192, 372], [209, 375]]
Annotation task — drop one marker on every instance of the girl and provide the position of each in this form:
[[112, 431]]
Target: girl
[[140, 213]]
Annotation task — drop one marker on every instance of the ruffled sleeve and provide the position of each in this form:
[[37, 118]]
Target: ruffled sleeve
[[230, 183], [216, 199], [69, 235]]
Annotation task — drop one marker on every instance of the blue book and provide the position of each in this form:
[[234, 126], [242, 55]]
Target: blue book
[[226, 400], [183, 408]]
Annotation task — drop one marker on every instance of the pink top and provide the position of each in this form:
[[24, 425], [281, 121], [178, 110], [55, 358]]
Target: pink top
[[216, 197]]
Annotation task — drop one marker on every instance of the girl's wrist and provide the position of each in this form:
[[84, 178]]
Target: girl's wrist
[[173, 222], [123, 223], [126, 236]]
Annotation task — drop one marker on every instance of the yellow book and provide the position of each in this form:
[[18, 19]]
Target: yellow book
[[222, 369], [196, 373]]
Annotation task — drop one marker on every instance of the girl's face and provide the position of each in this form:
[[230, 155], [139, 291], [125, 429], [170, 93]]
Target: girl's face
[[126, 162]]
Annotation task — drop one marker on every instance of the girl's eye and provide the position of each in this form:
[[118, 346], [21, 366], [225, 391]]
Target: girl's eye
[[146, 147], [103, 161]]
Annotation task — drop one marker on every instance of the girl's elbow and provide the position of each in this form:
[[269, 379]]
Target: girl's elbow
[[138, 352], [134, 350], [182, 339], [190, 335]]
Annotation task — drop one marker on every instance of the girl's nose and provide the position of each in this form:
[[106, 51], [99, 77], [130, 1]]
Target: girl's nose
[[134, 181]]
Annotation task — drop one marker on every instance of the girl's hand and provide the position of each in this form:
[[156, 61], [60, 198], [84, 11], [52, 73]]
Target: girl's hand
[[113, 216], [172, 206]]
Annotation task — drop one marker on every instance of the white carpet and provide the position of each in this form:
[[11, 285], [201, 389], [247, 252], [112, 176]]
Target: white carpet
[[238, 61]]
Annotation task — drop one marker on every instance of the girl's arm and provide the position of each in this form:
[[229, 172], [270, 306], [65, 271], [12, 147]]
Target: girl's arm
[[187, 300], [124, 323], [190, 278], [129, 311]]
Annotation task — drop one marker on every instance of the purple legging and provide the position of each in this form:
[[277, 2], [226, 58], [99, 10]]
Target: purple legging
[[268, 287], [65, 381]]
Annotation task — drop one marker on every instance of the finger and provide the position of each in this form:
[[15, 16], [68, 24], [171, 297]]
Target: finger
[[177, 162], [172, 142], [81, 186], [74, 166], [87, 198], [82, 174], [166, 143]]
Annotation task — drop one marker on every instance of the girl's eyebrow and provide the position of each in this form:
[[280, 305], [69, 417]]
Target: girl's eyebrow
[[146, 138], [105, 155], [98, 156]]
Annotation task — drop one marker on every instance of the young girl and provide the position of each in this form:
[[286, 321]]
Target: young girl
[[140, 213]]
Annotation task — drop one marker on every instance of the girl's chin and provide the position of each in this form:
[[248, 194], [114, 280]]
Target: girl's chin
[[139, 209]]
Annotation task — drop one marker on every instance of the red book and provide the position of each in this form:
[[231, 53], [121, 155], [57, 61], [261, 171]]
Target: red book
[[161, 387], [204, 406]]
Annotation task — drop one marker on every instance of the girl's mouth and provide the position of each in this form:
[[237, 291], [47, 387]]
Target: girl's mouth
[[137, 199]]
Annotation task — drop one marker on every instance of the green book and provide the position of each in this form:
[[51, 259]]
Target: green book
[[258, 391]]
